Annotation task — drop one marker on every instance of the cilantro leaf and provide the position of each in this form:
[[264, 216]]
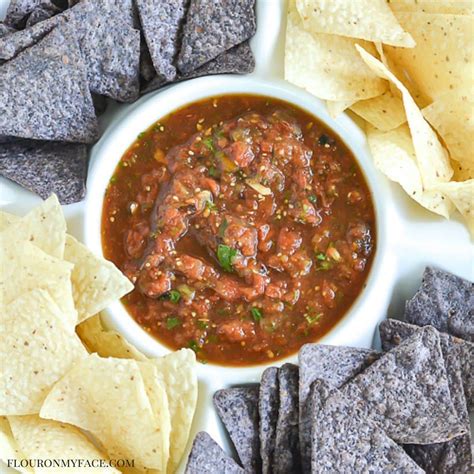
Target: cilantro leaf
[[172, 322], [226, 255], [256, 314]]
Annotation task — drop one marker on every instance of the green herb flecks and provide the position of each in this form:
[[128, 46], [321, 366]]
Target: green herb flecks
[[172, 322], [226, 256], [312, 198], [173, 295], [256, 314], [222, 228], [213, 172], [312, 318], [193, 345], [202, 325], [209, 143]]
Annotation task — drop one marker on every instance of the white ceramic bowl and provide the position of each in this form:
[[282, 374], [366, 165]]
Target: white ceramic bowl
[[357, 326]]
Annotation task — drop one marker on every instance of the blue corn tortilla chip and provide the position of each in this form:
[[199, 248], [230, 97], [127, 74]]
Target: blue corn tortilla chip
[[107, 40], [458, 354], [42, 12], [18, 10], [162, 22], [268, 402], [406, 391], [444, 301], [147, 71], [16, 42], [238, 60], [44, 92], [207, 457], [6, 30], [335, 365], [238, 409], [454, 455], [111, 48], [213, 27], [46, 167], [345, 441], [286, 456]]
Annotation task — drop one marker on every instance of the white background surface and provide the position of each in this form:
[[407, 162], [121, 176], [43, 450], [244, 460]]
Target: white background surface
[[418, 238]]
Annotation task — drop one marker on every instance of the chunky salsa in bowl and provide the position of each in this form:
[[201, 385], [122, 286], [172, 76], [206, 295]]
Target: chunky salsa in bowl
[[246, 226]]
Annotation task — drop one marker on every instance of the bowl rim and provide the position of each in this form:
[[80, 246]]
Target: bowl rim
[[370, 304]]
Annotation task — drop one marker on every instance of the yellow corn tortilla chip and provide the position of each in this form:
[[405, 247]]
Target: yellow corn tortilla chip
[[384, 112], [327, 65], [370, 20], [6, 219], [177, 373], [26, 267], [394, 156], [336, 108], [462, 196], [96, 282], [452, 116], [9, 449], [106, 343], [457, 7], [38, 347], [108, 398], [443, 57], [49, 440], [463, 171], [431, 158], [44, 226]]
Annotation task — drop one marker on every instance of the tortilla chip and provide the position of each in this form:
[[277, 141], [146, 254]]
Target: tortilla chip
[[286, 457], [462, 196], [213, 27], [238, 410], [268, 402], [6, 219], [111, 48], [104, 342], [46, 439], [44, 226], [454, 455], [47, 167], [431, 158], [237, 60], [109, 43], [42, 12], [9, 448], [96, 282], [342, 437], [12, 44], [370, 20], [335, 365], [458, 7], [18, 10], [328, 66], [444, 301], [411, 379], [109, 398], [38, 348], [384, 112], [208, 457], [452, 116], [161, 23], [443, 57], [44, 93], [336, 108], [25, 267], [176, 372], [394, 156]]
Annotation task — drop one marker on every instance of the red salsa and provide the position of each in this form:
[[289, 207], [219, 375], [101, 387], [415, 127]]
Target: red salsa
[[246, 226]]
